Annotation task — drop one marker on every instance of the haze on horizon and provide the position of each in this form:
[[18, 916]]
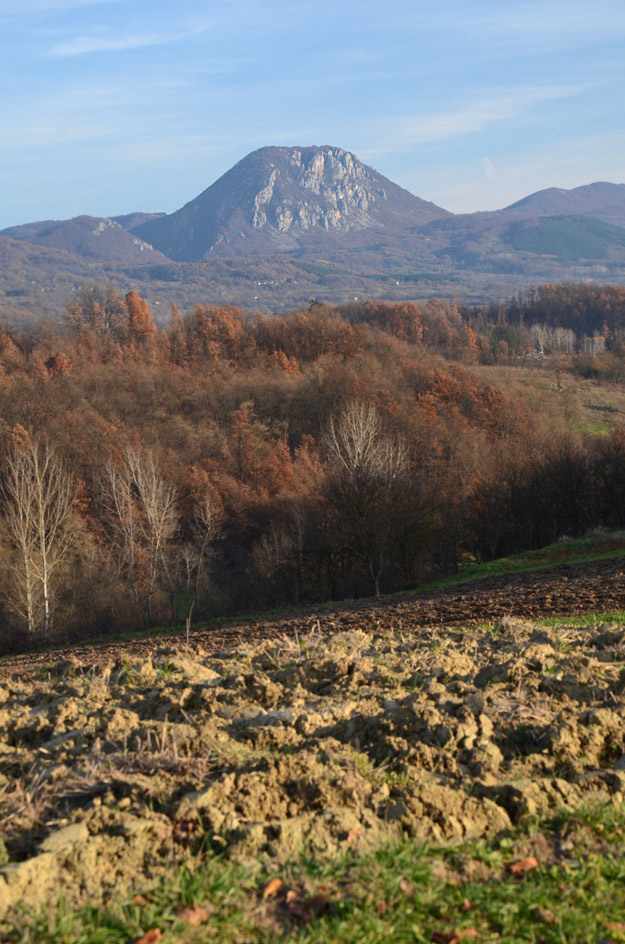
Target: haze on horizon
[[110, 107]]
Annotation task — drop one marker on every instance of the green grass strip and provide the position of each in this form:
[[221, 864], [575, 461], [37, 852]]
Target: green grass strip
[[595, 547]]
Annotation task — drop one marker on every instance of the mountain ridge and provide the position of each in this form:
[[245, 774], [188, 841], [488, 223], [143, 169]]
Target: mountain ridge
[[296, 222]]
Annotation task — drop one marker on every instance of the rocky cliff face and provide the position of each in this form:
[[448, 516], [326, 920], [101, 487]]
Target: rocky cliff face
[[338, 191], [278, 199]]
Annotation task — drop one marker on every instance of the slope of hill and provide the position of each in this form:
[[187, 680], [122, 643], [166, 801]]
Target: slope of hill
[[568, 237], [601, 200], [277, 198], [90, 237]]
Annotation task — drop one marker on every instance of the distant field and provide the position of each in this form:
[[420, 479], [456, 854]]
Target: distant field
[[568, 403]]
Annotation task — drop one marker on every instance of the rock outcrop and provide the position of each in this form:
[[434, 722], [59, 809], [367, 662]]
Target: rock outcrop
[[279, 199]]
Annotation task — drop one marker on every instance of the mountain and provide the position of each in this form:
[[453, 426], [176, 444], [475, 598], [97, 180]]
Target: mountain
[[601, 200], [289, 223], [548, 228], [283, 199], [90, 237], [130, 220]]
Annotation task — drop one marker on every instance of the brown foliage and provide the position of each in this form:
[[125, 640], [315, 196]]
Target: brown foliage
[[235, 413]]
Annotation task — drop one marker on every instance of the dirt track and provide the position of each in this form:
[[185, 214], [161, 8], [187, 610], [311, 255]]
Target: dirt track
[[564, 590]]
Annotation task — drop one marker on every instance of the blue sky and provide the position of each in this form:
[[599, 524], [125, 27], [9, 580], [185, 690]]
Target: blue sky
[[111, 106]]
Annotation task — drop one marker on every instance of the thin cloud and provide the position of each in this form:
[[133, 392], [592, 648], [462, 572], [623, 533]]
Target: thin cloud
[[22, 8], [82, 45], [407, 131], [560, 19]]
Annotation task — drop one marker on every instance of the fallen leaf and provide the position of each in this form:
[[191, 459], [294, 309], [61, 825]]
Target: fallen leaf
[[381, 906], [543, 915], [150, 937], [194, 916], [618, 926], [353, 836], [524, 865], [466, 905], [462, 934], [140, 900], [406, 887], [296, 906], [272, 887]]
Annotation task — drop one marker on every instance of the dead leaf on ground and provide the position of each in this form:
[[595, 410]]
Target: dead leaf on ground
[[407, 887], [150, 937], [194, 916], [381, 906], [455, 937], [353, 836], [618, 926], [295, 906], [140, 900], [272, 887], [466, 905], [524, 865]]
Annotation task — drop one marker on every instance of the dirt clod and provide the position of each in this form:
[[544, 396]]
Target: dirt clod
[[322, 742]]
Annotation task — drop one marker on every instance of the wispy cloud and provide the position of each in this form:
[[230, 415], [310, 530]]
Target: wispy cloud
[[24, 8], [407, 131], [82, 45], [558, 18]]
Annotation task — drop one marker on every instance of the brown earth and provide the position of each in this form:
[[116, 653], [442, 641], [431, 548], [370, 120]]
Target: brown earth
[[563, 590], [349, 725]]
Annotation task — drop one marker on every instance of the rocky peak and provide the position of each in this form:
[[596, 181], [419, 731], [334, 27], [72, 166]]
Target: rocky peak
[[278, 198], [333, 183]]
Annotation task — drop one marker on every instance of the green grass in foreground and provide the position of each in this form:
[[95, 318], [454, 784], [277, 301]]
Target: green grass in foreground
[[595, 546], [586, 619], [403, 893]]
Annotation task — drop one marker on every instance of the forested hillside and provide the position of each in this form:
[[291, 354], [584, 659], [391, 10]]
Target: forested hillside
[[231, 463]]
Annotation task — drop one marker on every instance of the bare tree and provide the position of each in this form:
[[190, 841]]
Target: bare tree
[[366, 467], [142, 522], [38, 495], [197, 555], [99, 307]]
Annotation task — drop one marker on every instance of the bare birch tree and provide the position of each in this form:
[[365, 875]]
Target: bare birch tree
[[143, 520], [197, 555], [38, 508]]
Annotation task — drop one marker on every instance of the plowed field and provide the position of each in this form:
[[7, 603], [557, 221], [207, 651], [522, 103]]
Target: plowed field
[[341, 727], [564, 590]]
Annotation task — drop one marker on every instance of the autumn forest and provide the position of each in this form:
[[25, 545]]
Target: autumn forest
[[224, 463]]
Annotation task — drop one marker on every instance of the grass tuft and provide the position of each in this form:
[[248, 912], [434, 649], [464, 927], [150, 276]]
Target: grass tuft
[[550, 880]]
